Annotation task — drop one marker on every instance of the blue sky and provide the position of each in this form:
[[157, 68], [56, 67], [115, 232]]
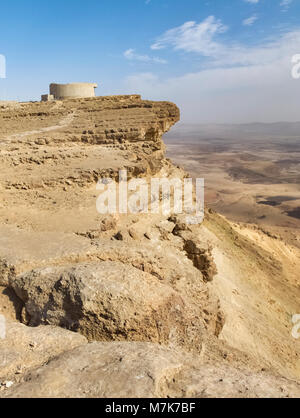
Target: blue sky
[[219, 60]]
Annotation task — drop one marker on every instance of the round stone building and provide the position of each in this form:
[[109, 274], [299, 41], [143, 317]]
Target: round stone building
[[70, 91]]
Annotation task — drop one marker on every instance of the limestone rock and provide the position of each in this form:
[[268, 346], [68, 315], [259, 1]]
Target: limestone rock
[[25, 348], [22, 250], [153, 283], [130, 370], [109, 301], [202, 258]]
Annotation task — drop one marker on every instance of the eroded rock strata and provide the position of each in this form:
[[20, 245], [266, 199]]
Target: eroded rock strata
[[129, 305]]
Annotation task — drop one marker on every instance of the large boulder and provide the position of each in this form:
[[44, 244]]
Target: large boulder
[[109, 301]]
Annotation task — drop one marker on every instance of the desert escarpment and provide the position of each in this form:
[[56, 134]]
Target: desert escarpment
[[137, 304]]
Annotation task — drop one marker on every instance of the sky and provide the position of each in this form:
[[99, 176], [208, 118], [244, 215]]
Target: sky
[[220, 61]]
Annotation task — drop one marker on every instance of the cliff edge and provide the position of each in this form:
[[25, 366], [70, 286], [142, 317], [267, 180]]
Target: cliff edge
[[129, 305]]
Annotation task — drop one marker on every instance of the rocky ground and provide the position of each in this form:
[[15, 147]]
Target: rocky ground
[[136, 305]]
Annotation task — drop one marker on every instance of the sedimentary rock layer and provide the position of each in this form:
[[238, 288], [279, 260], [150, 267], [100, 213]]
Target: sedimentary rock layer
[[128, 304]]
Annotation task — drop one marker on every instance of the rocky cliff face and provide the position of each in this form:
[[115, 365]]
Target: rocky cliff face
[[144, 304]]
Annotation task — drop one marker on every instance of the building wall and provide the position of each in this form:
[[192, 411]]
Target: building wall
[[74, 90], [47, 97]]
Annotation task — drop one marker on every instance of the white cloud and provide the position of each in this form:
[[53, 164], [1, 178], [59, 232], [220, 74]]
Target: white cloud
[[250, 20], [252, 1], [130, 54], [238, 84], [202, 39], [193, 37]]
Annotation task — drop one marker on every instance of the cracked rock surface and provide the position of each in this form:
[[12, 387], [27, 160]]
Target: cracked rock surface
[[135, 305]]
